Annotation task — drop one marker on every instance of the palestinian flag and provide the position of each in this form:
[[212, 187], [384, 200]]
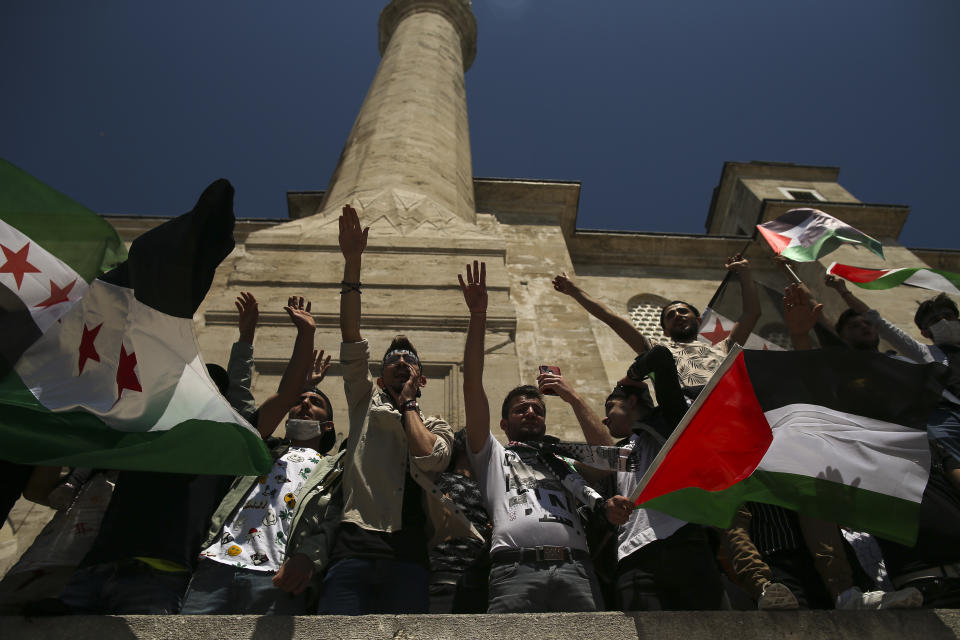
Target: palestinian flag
[[933, 279], [108, 373], [719, 318], [834, 433], [803, 235]]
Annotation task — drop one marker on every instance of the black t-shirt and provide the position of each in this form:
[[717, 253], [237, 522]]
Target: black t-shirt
[[409, 544], [158, 515]]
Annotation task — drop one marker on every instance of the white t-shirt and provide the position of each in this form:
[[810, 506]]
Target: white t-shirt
[[256, 537], [645, 525], [528, 506]]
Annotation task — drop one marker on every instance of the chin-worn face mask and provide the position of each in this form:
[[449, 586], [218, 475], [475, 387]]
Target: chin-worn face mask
[[302, 429], [945, 331]]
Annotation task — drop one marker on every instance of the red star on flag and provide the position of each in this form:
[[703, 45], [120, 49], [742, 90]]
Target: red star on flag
[[88, 351], [57, 295], [717, 334], [126, 376], [17, 263]]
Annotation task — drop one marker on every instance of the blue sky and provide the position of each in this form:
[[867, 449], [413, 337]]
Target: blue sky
[[134, 107]]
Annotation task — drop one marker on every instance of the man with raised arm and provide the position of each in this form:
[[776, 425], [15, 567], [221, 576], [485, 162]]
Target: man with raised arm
[[391, 507], [127, 572], [539, 556], [695, 360], [663, 563]]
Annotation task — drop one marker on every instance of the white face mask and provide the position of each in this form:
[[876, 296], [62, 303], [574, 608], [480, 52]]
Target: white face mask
[[945, 331], [302, 429]]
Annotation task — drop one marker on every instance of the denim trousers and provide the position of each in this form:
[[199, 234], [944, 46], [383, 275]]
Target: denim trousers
[[218, 588], [125, 587], [544, 586], [362, 586]]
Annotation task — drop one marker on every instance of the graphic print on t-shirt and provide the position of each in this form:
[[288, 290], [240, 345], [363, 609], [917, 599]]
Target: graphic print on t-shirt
[[255, 538]]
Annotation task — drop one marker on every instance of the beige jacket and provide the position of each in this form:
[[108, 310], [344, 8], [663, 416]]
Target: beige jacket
[[378, 458]]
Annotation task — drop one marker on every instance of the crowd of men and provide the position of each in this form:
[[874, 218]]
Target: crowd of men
[[410, 517]]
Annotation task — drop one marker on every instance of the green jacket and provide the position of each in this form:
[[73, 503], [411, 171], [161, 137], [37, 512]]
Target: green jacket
[[317, 513]]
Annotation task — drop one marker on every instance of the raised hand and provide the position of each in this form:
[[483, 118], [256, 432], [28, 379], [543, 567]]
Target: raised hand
[[353, 237], [798, 311], [555, 384], [564, 284], [475, 288], [249, 314], [300, 314], [737, 263], [835, 283], [320, 367]]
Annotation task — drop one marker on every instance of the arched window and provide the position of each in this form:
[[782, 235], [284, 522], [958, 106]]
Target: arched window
[[644, 311]]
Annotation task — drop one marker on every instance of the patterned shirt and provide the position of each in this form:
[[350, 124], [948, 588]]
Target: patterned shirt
[[696, 361], [256, 536]]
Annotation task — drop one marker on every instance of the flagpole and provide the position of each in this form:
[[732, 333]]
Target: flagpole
[[735, 350]]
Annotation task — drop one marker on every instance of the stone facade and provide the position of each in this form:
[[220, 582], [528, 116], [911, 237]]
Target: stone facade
[[406, 167]]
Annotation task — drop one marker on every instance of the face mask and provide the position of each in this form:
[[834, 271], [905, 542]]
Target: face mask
[[945, 332], [302, 429]]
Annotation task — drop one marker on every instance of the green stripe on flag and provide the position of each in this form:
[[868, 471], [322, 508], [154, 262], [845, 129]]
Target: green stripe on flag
[[78, 438], [876, 513], [61, 225]]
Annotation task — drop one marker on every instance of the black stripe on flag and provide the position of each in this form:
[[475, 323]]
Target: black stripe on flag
[[170, 267], [17, 328], [863, 383]]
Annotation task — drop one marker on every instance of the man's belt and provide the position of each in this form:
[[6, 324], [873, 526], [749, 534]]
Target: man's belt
[[539, 554], [939, 571]]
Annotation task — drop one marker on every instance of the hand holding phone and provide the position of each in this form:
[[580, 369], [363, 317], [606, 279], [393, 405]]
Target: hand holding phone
[[545, 368]]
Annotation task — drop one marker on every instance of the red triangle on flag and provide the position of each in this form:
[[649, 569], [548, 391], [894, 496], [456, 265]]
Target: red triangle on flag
[[722, 443], [777, 242]]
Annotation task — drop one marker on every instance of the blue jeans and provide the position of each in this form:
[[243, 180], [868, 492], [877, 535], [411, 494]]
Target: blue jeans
[[218, 588], [361, 586], [126, 587], [544, 586]]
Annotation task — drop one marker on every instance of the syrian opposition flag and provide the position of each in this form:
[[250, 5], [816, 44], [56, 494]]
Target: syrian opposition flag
[[718, 319], [837, 434], [933, 279], [803, 235], [108, 373]]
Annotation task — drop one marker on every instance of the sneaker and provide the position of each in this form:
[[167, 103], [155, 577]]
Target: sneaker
[[777, 595], [854, 598]]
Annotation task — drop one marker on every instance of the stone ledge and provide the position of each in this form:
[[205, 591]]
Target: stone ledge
[[713, 625]]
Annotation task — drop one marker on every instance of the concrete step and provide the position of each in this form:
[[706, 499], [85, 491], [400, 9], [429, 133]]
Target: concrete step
[[714, 625]]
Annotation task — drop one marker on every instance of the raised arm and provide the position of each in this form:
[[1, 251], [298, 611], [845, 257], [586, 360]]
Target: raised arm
[[475, 402], [301, 361], [750, 311], [593, 430], [353, 241], [840, 287], [620, 325], [240, 365]]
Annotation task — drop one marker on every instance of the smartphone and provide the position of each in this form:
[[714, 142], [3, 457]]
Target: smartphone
[[546, 368]]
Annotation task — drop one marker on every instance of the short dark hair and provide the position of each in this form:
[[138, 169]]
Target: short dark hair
[[523, 391], [326, 400], [663, 311], [941, 303], [402, 343], [220, 378], [640, 392], [845, 317]]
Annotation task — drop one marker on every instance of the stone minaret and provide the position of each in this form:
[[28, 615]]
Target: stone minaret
[[411, 141], [406, 163]]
